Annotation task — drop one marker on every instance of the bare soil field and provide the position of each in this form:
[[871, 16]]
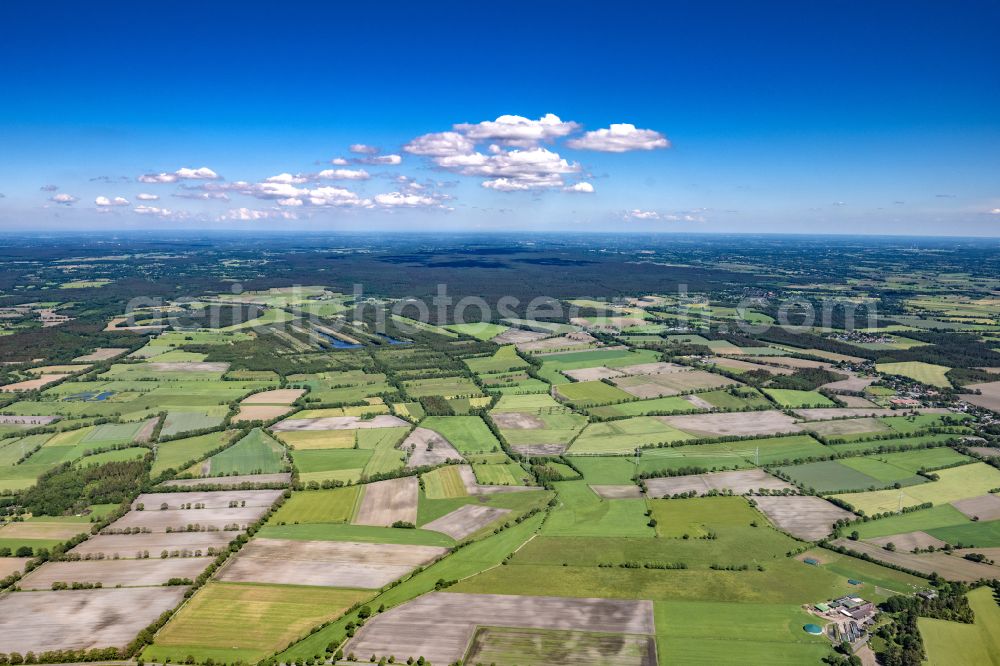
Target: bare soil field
[[517, 421], [101, 354], [671, 383], [769, 422], [853, 382], [465, 520], [907, 541], [560, 342], [428, 448], [655, 368], [127, 545], [340, 423], [146, 432], [75, 619], [540, 449], [216, 499], [440, 625], [275, 397], [737, 364], [624, 491], [846, 426], [700, 403], [112, 573], [326, 563], [249, 412], [32, 384], [790, 361], [985, 451], [518, 336], [592, 374], [950, 567], [159, 521], [9, 565], [187, 366], [280, 477], [473, 487], [990, 398], [824, 413], [984, 507], [43, 530], [10, 419], [386, 502], [740, 482], [856, 401], [804, 517]]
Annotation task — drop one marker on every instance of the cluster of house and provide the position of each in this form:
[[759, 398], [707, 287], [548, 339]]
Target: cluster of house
[[848, 616]]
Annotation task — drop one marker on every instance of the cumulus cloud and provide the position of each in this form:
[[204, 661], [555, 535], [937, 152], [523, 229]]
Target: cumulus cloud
[[287, 178], [620, 138], [440, 144], [381, 160], [518, 130], [343, 174], [405, 200], [154, 211], [339, 161], [142, 196], [995, 211], [514, 170], [250, 214], [184, 173], [201, 196], [64, 199], [49, 188], [363, 149], [654, 215], [580, 188], [106, 202]]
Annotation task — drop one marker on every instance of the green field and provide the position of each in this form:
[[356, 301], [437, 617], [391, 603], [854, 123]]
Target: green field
[[626, 435], [955, 483], [503, 474], [359, 533], [580, 512], [256, 453], [479, 330], [925, 373], [251, 621], [504, 359], [468, 434], [979, 534], [589, 394], [443, 483], [606, 470], [318, 506], [175, 453], [950, 643], [443, 386], [791, 399], [943, 515]]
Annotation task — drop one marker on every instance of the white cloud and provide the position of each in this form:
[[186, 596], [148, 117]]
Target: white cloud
[[117, 201], [363, 149], [995, 211], [402, 200], [440, 144], [250, 214], [184, 173], [286, 178], [581, 188], [64, 199], [152, 210], [291, 202], [343, 174], [142, 196], [518, 130], [512, 171], [637, 214], [339, 161], [620, 138], [49, 188], [695, 215], [383, 160], [201, 173], [336, 196], [202, 196]]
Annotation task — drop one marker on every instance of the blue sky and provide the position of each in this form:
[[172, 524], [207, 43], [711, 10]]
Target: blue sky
[[687, 116]]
